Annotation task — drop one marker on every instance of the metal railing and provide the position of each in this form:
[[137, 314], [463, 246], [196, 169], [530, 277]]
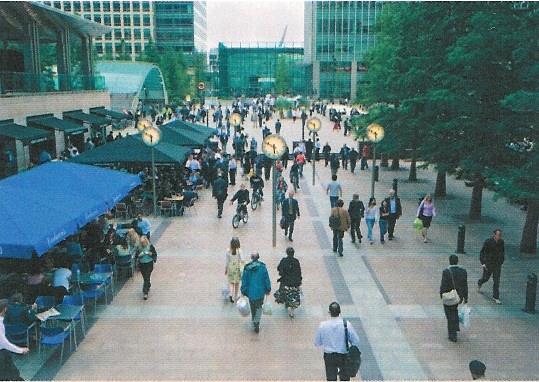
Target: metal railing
[[23, 82]]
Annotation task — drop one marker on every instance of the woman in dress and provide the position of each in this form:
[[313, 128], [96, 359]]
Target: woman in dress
[[426, 212], [289, 291], [233, 269], [147, 257]]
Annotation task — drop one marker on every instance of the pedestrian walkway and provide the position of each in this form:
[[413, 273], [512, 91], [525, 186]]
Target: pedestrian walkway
[[390, 293]]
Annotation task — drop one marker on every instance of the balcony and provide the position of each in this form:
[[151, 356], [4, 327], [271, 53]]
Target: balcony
[[22, 82]]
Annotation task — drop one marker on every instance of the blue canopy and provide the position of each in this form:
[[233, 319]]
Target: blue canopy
[[43, 206]]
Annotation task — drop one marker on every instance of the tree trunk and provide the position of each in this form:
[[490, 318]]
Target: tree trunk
[[440, 190], [412, 177], [384, 161], [477, 198], [528, 244], [395, 162]]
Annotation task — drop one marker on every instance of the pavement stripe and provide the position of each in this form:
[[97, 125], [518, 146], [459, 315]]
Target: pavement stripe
[[160, 230], [369, 369], [342, 293], [376, 280], [321, 235], [311, 207]]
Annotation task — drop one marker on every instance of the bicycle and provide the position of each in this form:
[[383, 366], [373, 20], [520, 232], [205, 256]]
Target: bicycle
[[241, 214], [256, 200]]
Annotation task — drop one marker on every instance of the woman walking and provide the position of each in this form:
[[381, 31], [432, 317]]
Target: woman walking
[[371, 214], [147, 257], [289, 292], [426, 212], [382, 221], [233, 269]]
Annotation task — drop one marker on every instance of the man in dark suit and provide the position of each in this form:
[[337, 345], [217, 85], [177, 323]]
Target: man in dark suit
[[454, 277], [356, 209], [395, 212], [492, 257], [290, 210], [219, 192]]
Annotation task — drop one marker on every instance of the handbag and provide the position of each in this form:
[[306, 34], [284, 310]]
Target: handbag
[[464, 315], [283, 223], [352, 359], [452, 297]]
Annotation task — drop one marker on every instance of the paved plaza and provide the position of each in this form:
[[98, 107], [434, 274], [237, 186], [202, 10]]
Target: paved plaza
[[389, 292]]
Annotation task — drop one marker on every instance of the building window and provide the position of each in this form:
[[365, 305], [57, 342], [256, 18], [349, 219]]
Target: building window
[[127, 6], [67, 6], [106, 20], [365, 29], [136, 20], [58, 4], [116, 6], [108, 36], [136, 6], [146, 6], [76, 6], [97, 18], [108, 48], [127, 20], [138, 48], [87, 6], [147, 34], [146, 20], [88, 16], [118, 34], [136, 34], [127, 34], [117, 21], [99, 49], [106, 6], [97, 6]]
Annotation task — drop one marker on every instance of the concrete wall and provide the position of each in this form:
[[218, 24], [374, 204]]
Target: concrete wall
[[18, 107]]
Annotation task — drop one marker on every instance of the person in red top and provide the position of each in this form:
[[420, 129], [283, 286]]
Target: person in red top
[[300, 159], [364, 155]]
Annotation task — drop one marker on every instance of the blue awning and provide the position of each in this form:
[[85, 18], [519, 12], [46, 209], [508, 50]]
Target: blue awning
[[43, 206]]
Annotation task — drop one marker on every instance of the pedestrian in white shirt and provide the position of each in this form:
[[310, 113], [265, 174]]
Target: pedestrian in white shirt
[[331, 336], [8, 371]]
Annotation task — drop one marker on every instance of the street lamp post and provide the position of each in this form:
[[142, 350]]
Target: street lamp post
[[375, 133], [314, 124], [151, 136], [274, 146]]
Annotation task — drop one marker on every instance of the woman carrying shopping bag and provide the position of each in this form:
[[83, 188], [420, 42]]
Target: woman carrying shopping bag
[[233, 269], [289, 290], [426, 212]]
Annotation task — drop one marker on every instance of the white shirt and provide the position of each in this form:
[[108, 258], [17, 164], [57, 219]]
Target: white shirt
[[330, 335], [4, 342], [61, 278]]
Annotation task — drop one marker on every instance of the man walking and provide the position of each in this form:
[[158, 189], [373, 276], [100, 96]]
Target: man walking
[[364, 156], [290, 210], [353, 156], [456, 278], [331, 336], [334, 190], [278, 127], [356, 210], [339, 222], [220, 193], [492, 257], [395, 212], [232, 170], [344, 156], [255, 283], [327, 151]]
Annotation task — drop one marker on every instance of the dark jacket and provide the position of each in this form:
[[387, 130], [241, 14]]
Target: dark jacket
[[295, 209], [290, 272], [242, 196], [461, 282], [255, 282], [399, 207], [353, 155], [220, 187], [356, 209], [492, 253]]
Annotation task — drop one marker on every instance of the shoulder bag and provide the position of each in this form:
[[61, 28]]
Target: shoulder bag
[[352, 359], [452, 297]]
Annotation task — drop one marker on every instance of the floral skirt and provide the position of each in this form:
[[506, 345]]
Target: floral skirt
[[289, 296]]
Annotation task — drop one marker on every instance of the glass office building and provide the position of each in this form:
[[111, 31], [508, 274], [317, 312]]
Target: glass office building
[[251, 69], [176, 25], [337, 36]]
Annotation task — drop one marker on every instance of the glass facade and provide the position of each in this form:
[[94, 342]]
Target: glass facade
[[176, 25], [337, 36], [251, 70]]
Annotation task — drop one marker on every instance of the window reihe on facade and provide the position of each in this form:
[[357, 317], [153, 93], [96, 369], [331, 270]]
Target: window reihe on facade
[[97, 6]]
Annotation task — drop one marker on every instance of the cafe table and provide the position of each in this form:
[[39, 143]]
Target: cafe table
[[69, 313]]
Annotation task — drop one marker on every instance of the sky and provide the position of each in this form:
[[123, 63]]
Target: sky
[[254, 20]]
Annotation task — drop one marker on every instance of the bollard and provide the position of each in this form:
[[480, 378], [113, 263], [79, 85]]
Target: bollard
[[531, 293], [460, 238], [376, 170], [395, 185]]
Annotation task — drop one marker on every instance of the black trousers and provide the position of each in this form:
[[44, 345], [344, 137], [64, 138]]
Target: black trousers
[[334, 363], [220, 202], [452, 315], [364, 163], [353, 166], [496, 272], [290, 228], [256, 309], [8, 370], [337, 241], [391, 221], [232, 174], [59, 293], [146, 271], [355, 230]]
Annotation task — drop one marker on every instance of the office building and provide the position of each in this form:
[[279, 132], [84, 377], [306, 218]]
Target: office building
[[170, 25], [338, 34]]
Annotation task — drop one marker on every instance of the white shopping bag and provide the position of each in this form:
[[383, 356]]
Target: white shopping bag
[[243, 306], [267, 308], [464, 315]]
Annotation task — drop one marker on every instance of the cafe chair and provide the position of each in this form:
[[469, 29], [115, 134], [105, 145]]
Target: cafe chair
[[121, 210], [45, 303], [124, 263], [19, 333], [53, 337], [77, 300], [94, 291], [106, 268], [165, 206]]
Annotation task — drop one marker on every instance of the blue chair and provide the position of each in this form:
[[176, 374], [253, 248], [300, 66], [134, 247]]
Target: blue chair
[[77, 300], [106, 268], [45, 302], [125, 263], [19, 334], [54, 337], [94, 291]]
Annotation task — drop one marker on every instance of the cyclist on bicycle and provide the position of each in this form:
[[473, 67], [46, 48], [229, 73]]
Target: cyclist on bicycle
[[242, 196], [257, 184]]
